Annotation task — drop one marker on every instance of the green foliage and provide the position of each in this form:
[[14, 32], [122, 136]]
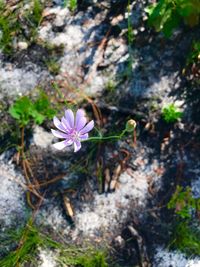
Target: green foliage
[[78, 257], [24, 110], [9, 133], [183, 202], [166, 15], [110, 86], [130, 29], [130, 36], [195, 53], [72, 4], [184, 236], [53, 66], [30, 240], [186, 239], [171, 114], [33, 18], [17, 22], [9, 26], [37, 12], [27, 240], [96, 260]]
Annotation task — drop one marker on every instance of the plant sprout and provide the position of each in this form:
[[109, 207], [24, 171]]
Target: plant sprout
[[171, 113]]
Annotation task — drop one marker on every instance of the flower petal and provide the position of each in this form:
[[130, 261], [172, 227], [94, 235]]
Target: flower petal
[[80, 119], [60, 145], [63, 144], [88, 127], [58, 124], [84, 136], [59, 134], [69, 116], [81, 123], [77, 146], [65, 124]]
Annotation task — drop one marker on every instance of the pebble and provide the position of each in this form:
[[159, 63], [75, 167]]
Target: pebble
[[22, 45]]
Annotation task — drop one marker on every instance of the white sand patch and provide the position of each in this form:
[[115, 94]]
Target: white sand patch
[[52, 215], [109, 211], [164, 258], [11, 194], [47, 258]]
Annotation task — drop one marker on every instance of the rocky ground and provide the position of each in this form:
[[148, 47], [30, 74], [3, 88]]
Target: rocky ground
[[126, 213]]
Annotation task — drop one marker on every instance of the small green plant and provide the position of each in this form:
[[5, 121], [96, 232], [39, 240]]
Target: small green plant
[[96, 260], [186, 239], [166, 15], [33, 18], [110, 86], [9, 26], [53, 66], [183, 202], [184, 236], [37, 10], [195, 53], [171, 114], [80, 258], [24, 110], [72, 4]]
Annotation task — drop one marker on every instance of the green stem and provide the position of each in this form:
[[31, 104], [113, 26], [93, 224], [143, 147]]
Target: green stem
[[105, 138]]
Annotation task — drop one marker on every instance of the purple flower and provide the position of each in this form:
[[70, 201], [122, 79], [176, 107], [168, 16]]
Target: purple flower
[[73, 130]]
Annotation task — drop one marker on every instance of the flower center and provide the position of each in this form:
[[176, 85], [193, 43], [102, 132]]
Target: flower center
[[75, 135]]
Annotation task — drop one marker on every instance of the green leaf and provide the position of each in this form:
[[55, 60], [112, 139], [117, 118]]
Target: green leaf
[[166, 15], [171, 114], [186, 9], [150, 9], [13, 112], [42, 102], [42, 105], [38, 117], [170, 25], [21, 110], [24, 110]]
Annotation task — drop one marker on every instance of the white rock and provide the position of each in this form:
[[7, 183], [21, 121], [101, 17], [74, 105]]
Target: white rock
[[11, 194], [195, 185], [41, 137], [15, 81]]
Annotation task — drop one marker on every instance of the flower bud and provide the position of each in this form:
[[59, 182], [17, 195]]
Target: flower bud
[[130, 125]]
